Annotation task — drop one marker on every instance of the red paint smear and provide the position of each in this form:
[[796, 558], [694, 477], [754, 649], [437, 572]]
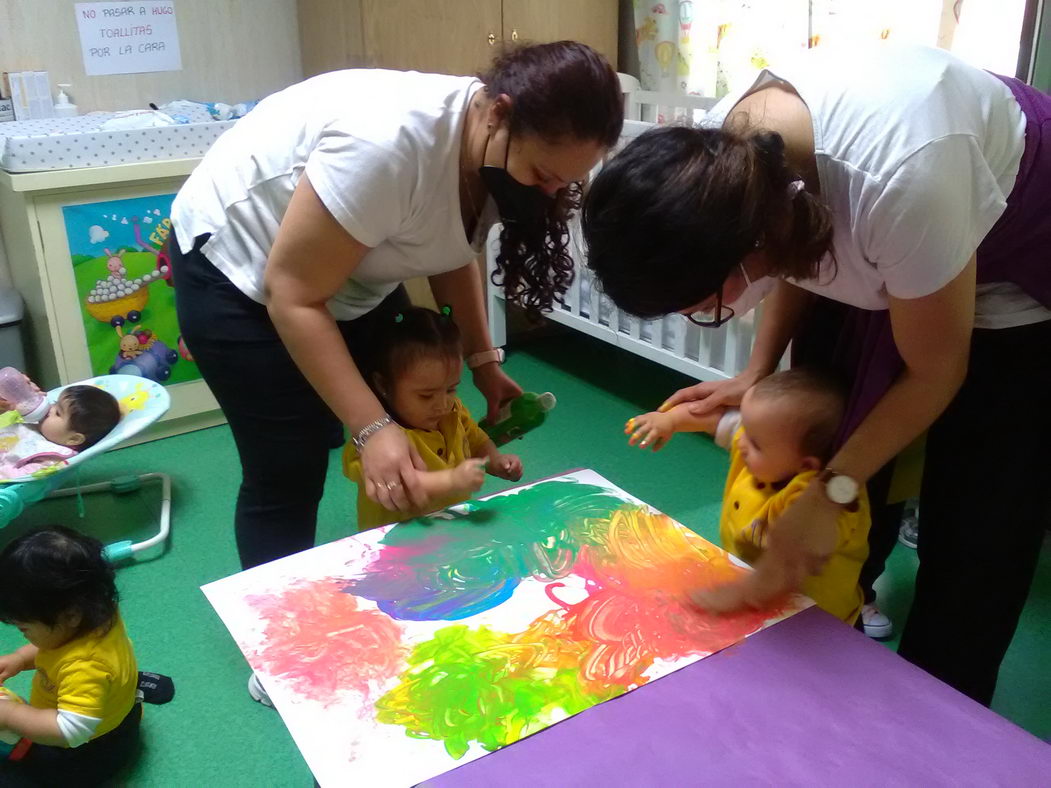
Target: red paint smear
[[317, 640], [637, 609]]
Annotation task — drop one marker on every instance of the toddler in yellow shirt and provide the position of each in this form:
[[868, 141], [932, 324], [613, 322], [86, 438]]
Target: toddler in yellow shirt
[[779, 440], [81, 724], [415, 364]]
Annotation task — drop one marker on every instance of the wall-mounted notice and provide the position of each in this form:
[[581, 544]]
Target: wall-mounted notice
[[128, 37]]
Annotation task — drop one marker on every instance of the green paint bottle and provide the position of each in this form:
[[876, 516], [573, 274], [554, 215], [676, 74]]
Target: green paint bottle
[[519, 416]]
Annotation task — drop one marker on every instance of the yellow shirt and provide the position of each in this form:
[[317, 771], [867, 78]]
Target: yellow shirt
[[751, 508], [457, 439], [94, 675]]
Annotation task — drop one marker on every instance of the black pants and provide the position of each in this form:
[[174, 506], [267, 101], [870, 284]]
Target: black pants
[[984, 500], [89, 764], [984, 497], [282, 428]]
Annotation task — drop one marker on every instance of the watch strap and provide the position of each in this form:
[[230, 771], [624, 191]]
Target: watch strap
[[476, 360]]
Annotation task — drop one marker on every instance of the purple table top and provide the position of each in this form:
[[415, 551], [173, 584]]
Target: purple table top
[[807, 702]]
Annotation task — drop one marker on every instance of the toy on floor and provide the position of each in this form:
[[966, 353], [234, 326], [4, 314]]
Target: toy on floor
[[519, 416]]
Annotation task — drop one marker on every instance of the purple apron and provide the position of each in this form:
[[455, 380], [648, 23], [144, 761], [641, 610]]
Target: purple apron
[[858, 343]]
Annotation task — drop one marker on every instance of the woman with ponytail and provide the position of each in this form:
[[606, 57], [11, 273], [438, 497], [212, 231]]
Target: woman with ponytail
[[892, 207]]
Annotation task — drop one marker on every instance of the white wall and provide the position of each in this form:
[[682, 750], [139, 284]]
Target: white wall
[[232, 50]]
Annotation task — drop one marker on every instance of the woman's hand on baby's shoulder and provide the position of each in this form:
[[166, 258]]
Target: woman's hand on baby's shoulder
[[650, 430], [506, 466]]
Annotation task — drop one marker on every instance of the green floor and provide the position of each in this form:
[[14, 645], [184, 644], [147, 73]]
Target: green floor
[[213, 734]]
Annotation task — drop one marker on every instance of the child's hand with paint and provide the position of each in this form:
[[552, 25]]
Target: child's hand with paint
[[650, 430], [506, 466], [469, 475], [654, 430]]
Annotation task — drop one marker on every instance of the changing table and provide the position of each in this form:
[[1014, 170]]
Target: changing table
[[84, 214]]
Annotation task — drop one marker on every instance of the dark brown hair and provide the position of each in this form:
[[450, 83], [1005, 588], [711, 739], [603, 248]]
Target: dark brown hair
[[669, 218], [90, 411], [821, 400], [561, 92], [53, 571], [407, 336]]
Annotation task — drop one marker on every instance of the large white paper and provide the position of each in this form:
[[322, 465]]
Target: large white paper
[[403, 652]]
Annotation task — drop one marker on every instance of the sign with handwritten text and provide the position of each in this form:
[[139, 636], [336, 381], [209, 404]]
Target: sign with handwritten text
[[128, 37]]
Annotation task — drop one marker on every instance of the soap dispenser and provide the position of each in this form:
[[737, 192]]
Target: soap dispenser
[[64, 108]]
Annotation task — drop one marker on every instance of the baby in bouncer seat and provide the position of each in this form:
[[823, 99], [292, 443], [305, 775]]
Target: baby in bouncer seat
[[35, 435]]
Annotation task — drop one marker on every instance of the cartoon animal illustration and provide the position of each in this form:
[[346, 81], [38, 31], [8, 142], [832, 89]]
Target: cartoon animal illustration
[[141, 353], [115, 264], [134, 401], [119, 297], [134, 343]]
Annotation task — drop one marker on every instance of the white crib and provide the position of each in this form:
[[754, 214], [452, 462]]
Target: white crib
[[703, 353]]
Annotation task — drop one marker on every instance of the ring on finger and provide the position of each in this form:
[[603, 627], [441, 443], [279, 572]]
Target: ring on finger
[[393, 485]]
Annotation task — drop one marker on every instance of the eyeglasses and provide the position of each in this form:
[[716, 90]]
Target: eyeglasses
[[717, 317]]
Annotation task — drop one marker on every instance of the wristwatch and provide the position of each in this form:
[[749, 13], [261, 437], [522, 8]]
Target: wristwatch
[[476, 360], [839, 488]]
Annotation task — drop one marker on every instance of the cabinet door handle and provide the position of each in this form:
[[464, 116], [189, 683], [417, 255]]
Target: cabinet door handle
[[491, 38], [514, 34]]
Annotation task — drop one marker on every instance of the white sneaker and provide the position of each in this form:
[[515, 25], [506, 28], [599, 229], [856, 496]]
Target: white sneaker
[[255, 689], [876, 625], [909, 533]]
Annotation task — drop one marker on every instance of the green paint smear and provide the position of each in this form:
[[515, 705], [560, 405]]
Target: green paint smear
[[476, 685]]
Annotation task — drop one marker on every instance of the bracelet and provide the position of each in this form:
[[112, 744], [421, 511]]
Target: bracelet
[[369, 430]]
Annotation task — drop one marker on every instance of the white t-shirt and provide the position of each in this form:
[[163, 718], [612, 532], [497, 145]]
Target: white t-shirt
[[916, 154], [382, 151]]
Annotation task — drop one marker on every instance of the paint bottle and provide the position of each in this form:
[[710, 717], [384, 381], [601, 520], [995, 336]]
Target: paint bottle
[[23, 395], [519, 416]]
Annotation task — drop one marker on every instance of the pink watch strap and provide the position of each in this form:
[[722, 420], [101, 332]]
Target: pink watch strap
[[476, 360]]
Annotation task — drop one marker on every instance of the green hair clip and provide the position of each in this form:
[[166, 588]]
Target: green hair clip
[[399, 317], [447, 311]]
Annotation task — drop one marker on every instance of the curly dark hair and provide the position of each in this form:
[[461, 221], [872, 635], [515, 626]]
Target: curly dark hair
[[559, 91], [54, 571], [670, 217]]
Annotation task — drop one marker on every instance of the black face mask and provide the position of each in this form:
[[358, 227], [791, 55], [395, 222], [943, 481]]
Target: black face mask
[[516, 202]]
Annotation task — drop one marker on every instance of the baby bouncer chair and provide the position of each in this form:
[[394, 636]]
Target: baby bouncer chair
[[142, 402]]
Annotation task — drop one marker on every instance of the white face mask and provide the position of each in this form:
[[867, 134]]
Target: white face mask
[[753, 293]]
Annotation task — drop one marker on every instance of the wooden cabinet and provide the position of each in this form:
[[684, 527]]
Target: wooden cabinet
[[443, 36]]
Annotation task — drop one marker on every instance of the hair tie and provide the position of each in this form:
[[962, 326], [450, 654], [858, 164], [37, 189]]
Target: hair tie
[[794, 188], [447, 311], [399, 317]]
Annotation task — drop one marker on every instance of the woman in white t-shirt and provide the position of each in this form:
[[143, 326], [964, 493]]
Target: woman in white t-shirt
[[300, 224], [893, 206]]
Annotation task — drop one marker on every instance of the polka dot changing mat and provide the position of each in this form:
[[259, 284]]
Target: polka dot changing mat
[[68, 143]]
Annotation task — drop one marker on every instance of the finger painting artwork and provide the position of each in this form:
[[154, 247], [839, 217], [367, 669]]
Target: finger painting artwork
[[403, 652]]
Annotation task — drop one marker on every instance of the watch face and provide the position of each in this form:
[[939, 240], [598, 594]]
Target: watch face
[[841, 489]]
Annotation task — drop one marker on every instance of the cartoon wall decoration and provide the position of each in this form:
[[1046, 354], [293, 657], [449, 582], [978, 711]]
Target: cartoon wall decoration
[[122, 269]]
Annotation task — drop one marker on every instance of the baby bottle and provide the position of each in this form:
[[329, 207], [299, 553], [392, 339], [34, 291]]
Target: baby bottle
[[16, 389]]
